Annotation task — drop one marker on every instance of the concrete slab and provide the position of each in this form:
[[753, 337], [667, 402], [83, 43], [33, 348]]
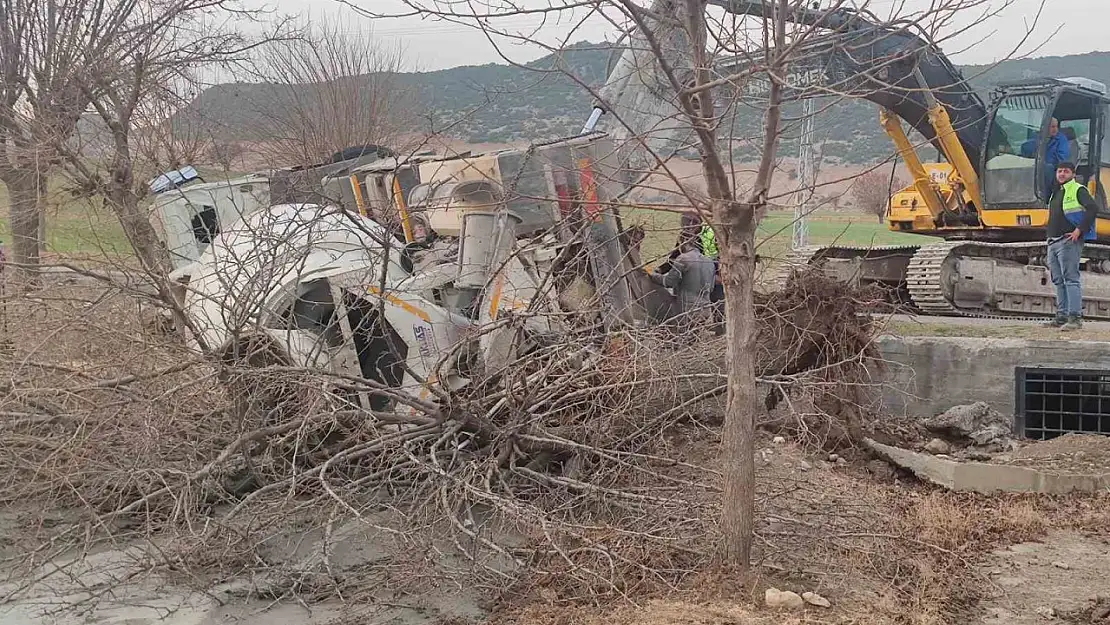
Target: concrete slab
[[981, 477]]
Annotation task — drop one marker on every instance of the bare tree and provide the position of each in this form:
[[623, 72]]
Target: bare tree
[[138, 61], [564, 440], [871, 192], [332, 89], [161, 140], [40, 105], [707, 70]]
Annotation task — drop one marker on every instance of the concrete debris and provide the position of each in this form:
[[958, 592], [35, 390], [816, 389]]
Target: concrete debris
[[988, 478], [1061, 565], [976, 424], [996, 435], [783, 599], [938, 446], [813, 598]]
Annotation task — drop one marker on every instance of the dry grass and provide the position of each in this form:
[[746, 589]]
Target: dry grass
[[998, 329], [960, 524]]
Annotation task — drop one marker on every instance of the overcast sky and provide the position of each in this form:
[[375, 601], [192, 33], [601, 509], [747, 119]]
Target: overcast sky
[[436, 44]]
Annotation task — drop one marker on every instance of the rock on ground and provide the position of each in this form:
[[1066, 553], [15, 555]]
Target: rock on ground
[[813, 598], [783, 599], [937, 446]]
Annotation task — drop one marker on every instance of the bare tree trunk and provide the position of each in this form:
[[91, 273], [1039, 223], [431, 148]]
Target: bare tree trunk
[[739, 222], [153, 256], [41, 216], [24, 214], [125, 203], [738, 436], [139, 232]]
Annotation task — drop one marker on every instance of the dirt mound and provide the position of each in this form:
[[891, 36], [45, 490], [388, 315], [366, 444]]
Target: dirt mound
[[1070, 453]]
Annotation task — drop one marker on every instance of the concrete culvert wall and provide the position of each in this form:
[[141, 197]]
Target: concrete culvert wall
[[928, 375]]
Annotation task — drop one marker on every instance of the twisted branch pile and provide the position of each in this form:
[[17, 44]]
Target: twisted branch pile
[[570, 467]]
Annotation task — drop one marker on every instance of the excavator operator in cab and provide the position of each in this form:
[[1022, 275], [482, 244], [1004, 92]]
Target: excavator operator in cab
[[1056, 151], [1071, 221]]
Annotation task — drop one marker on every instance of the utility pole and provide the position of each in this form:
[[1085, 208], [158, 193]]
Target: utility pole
[[807, 170]]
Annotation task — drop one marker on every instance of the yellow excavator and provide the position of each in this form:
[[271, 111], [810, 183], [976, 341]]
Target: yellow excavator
[[987, 200]]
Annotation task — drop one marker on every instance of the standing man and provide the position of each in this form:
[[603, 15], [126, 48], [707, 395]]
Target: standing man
[[1071, 221], [700, 234]]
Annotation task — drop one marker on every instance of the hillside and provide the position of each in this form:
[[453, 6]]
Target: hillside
[[502, 103]]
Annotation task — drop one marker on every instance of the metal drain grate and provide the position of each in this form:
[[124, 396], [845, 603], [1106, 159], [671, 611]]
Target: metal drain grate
[[1051, 402]]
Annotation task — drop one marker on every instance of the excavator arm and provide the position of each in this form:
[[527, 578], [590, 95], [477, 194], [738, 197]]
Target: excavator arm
[[902, 72]]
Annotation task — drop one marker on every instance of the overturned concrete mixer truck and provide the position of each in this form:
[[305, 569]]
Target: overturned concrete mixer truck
[[422, 270], [394, 287]]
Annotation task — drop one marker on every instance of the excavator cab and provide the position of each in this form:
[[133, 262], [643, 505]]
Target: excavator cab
[[1028, 120]]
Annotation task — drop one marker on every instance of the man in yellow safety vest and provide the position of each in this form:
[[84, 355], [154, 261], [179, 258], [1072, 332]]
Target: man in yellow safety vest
[[1071, 221], [708, 243]]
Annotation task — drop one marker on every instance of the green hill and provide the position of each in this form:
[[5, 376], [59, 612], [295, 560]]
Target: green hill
[[501, 103]]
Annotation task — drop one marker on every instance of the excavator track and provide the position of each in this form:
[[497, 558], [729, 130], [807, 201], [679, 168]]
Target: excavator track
[[973, 279], [794, 260], [924, 280], [938, 270], [878, 265]]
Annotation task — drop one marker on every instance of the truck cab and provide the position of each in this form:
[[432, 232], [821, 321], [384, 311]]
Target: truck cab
[[188, 218]]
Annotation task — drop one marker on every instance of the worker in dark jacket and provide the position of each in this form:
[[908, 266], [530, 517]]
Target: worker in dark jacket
[[1071, 222], [701, 234], [690, 275]]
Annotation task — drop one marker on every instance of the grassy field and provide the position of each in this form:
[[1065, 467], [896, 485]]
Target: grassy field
[[776, 231], [74, 227], [84, 228]]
